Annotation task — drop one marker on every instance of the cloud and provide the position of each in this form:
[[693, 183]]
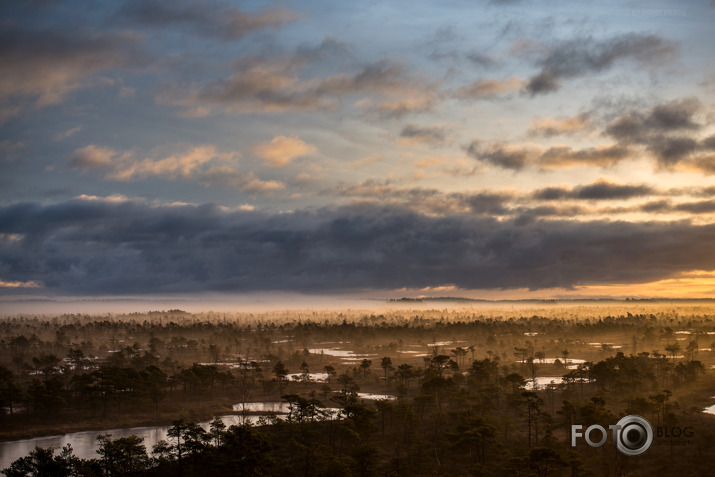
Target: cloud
[[551, 193], [488, 203], [490, 88], [227, 176], [672, 150], [526, 206], [599, 190], [543, 83], [381, 77], [263, 86], [19, 284], [281, 150], [704, 164], [397, 108], [429, 200], [603, 190], [92, 156], [330, 47], [691, 208], [105, 247], [412, 134], [276, 85], [501, 155], [38, 68], [564, 156], [668, 132], [65, 134], [171, 167], [699, 207], [549, 127], [207, 18], [203, 164], [585, 56], [418, 199], [673, 116], [481, 60], [520, 156], [526, 215]]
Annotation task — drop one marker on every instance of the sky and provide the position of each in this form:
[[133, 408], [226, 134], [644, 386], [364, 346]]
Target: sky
[[485, 149]]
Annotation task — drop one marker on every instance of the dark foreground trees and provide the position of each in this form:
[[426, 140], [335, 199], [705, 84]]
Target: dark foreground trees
[[239, 450]]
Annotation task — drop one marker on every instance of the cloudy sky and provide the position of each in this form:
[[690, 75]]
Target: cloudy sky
[[491, 149]]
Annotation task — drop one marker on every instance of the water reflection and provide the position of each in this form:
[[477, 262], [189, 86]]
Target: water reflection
[[541, 382], [84, 444]]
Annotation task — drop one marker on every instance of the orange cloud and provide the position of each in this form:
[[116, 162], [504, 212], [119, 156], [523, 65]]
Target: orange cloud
[[558, 126], [282, 150], [180, 165], [18, 284], [92, 156]]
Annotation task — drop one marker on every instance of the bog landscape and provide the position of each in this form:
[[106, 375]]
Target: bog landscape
[[420, 388]]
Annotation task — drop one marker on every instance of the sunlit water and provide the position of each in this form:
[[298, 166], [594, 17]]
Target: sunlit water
[[541, 382], [376, 396], [312, 377], [345, 355], [84, 444]]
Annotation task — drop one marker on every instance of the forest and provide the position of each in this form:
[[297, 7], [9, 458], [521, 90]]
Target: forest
[[401, 392]]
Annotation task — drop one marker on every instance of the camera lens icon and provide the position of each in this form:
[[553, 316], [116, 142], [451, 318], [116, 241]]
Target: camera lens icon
[[634, 435]]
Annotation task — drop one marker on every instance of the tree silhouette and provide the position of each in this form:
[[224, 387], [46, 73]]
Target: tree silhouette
[[365, 365], [386, 365], [122, 456]]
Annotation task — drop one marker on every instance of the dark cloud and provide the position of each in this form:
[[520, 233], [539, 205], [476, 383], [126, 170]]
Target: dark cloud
[[564, 156], [115, 247], [544, 82], [599, 190], [515, 158], [505, 203], [709, 143], [656, 206], [39, 68], [528, 215], [672, 150], [585, 56], [489, 203], [674, 115], [207, 18], [481, 60], [640, 127], [668, 132], [430, 134], [627, 128], [552, 193], [704, 164], [665, 206], [607, 191], [699, 207]]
